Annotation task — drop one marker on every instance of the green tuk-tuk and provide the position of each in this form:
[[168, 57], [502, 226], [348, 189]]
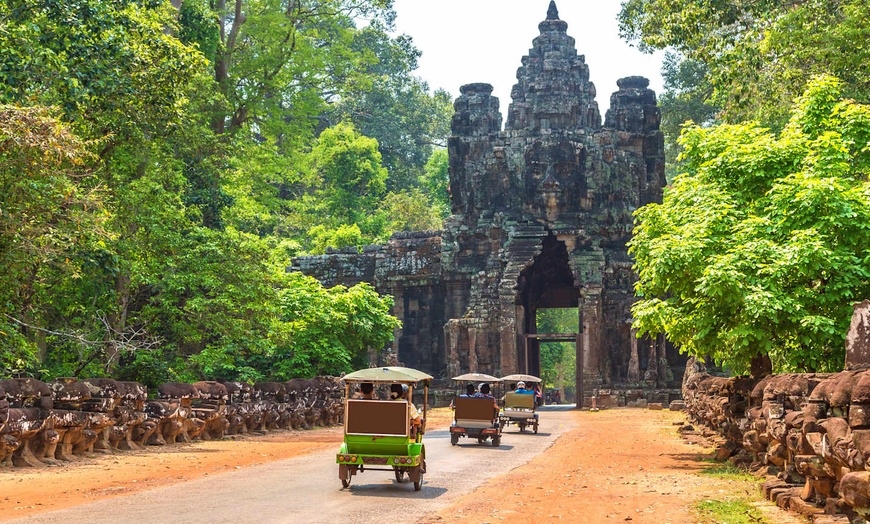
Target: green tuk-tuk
[[379, 434]]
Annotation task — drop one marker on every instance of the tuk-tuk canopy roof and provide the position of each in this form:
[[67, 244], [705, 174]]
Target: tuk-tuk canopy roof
[[477, 377], [519, 376], [391, 374]]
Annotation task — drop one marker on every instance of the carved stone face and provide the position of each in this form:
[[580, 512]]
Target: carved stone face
[[554, 178]]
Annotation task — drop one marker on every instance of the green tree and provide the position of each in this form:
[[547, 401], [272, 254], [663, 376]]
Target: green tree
[[686, 98], [397, 108], [49, 202], [409, 211], [759, 250], [436, 180], [124, 82], [343, 236], [329, 331], [162, 255], [278, 63], [108, 64], [351, 178], [758, 54]]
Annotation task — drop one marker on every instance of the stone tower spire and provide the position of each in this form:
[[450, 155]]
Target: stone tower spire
[[541, 216], [552, 12], [553, 91]]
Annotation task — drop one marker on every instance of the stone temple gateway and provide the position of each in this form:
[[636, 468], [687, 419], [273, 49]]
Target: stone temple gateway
[[541, 214]]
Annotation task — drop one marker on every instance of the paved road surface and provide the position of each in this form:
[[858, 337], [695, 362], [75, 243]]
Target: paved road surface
[[307, 489]]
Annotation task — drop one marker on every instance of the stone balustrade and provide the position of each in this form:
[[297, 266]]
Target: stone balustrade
[[47, 423], [808, 433]]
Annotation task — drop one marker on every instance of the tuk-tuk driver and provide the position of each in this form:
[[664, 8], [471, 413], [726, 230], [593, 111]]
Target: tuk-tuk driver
[[400, 392]]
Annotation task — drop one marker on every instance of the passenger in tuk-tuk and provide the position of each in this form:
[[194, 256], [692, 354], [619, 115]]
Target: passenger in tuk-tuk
[[469, 392], [521, 388], [539, 397], [366, 392], [483, 391], [400, 392]]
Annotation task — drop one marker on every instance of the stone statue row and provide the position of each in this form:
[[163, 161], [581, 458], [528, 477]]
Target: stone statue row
[[45, 422], [810, 433]]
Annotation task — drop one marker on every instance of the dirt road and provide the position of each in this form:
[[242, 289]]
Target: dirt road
[[307, 488], [615, 465]]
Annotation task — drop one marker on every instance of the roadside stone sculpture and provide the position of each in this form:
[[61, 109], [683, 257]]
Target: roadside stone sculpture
[[211, 408], [43, 423], [809, 432]]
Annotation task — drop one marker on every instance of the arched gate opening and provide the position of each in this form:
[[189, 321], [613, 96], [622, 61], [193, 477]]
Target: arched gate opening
[[548, 283]]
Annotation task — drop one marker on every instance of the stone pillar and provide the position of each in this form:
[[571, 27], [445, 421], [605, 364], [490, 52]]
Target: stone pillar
[[592, 333], [666, 375], [634, 360], [452, 339], [508, 339], [858, 337], [473, 334], [652, 361]]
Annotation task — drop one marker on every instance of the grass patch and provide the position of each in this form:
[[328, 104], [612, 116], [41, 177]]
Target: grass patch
[[738, 507], [734, 511], [728, 471]]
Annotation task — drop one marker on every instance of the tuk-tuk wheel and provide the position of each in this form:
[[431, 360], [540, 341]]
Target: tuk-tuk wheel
[[416, 474], [496, 441], [454, 439], [481, 440], [536, 427], [418, 484], [400, 475], [522, 426], [345, 474]]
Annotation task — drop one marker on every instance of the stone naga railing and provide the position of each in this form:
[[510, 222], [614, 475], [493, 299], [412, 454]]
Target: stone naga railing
[[42, 423], [809, 431]]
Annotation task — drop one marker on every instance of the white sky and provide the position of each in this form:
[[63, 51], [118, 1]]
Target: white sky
[[467, 41]]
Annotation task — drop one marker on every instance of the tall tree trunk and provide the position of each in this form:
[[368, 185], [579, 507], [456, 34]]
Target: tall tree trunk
[[117, 321], [222, 60]]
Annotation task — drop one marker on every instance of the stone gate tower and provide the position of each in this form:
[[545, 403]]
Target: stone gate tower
[[541, 214]]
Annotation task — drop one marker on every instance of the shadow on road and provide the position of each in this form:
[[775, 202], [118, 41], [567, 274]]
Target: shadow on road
[[531, 434], [471, 444], [394, 490]]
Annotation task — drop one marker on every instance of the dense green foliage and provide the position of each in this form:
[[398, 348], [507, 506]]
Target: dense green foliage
[[159, 167], [748, 236], [686, 99], [763, 244], [758, 55]]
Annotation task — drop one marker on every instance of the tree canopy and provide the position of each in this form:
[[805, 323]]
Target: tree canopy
[[162, 162], [758, 55], [762, 245]]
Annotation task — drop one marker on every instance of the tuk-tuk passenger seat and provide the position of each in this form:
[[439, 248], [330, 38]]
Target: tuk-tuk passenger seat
[[474, 412], [519, 404]]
